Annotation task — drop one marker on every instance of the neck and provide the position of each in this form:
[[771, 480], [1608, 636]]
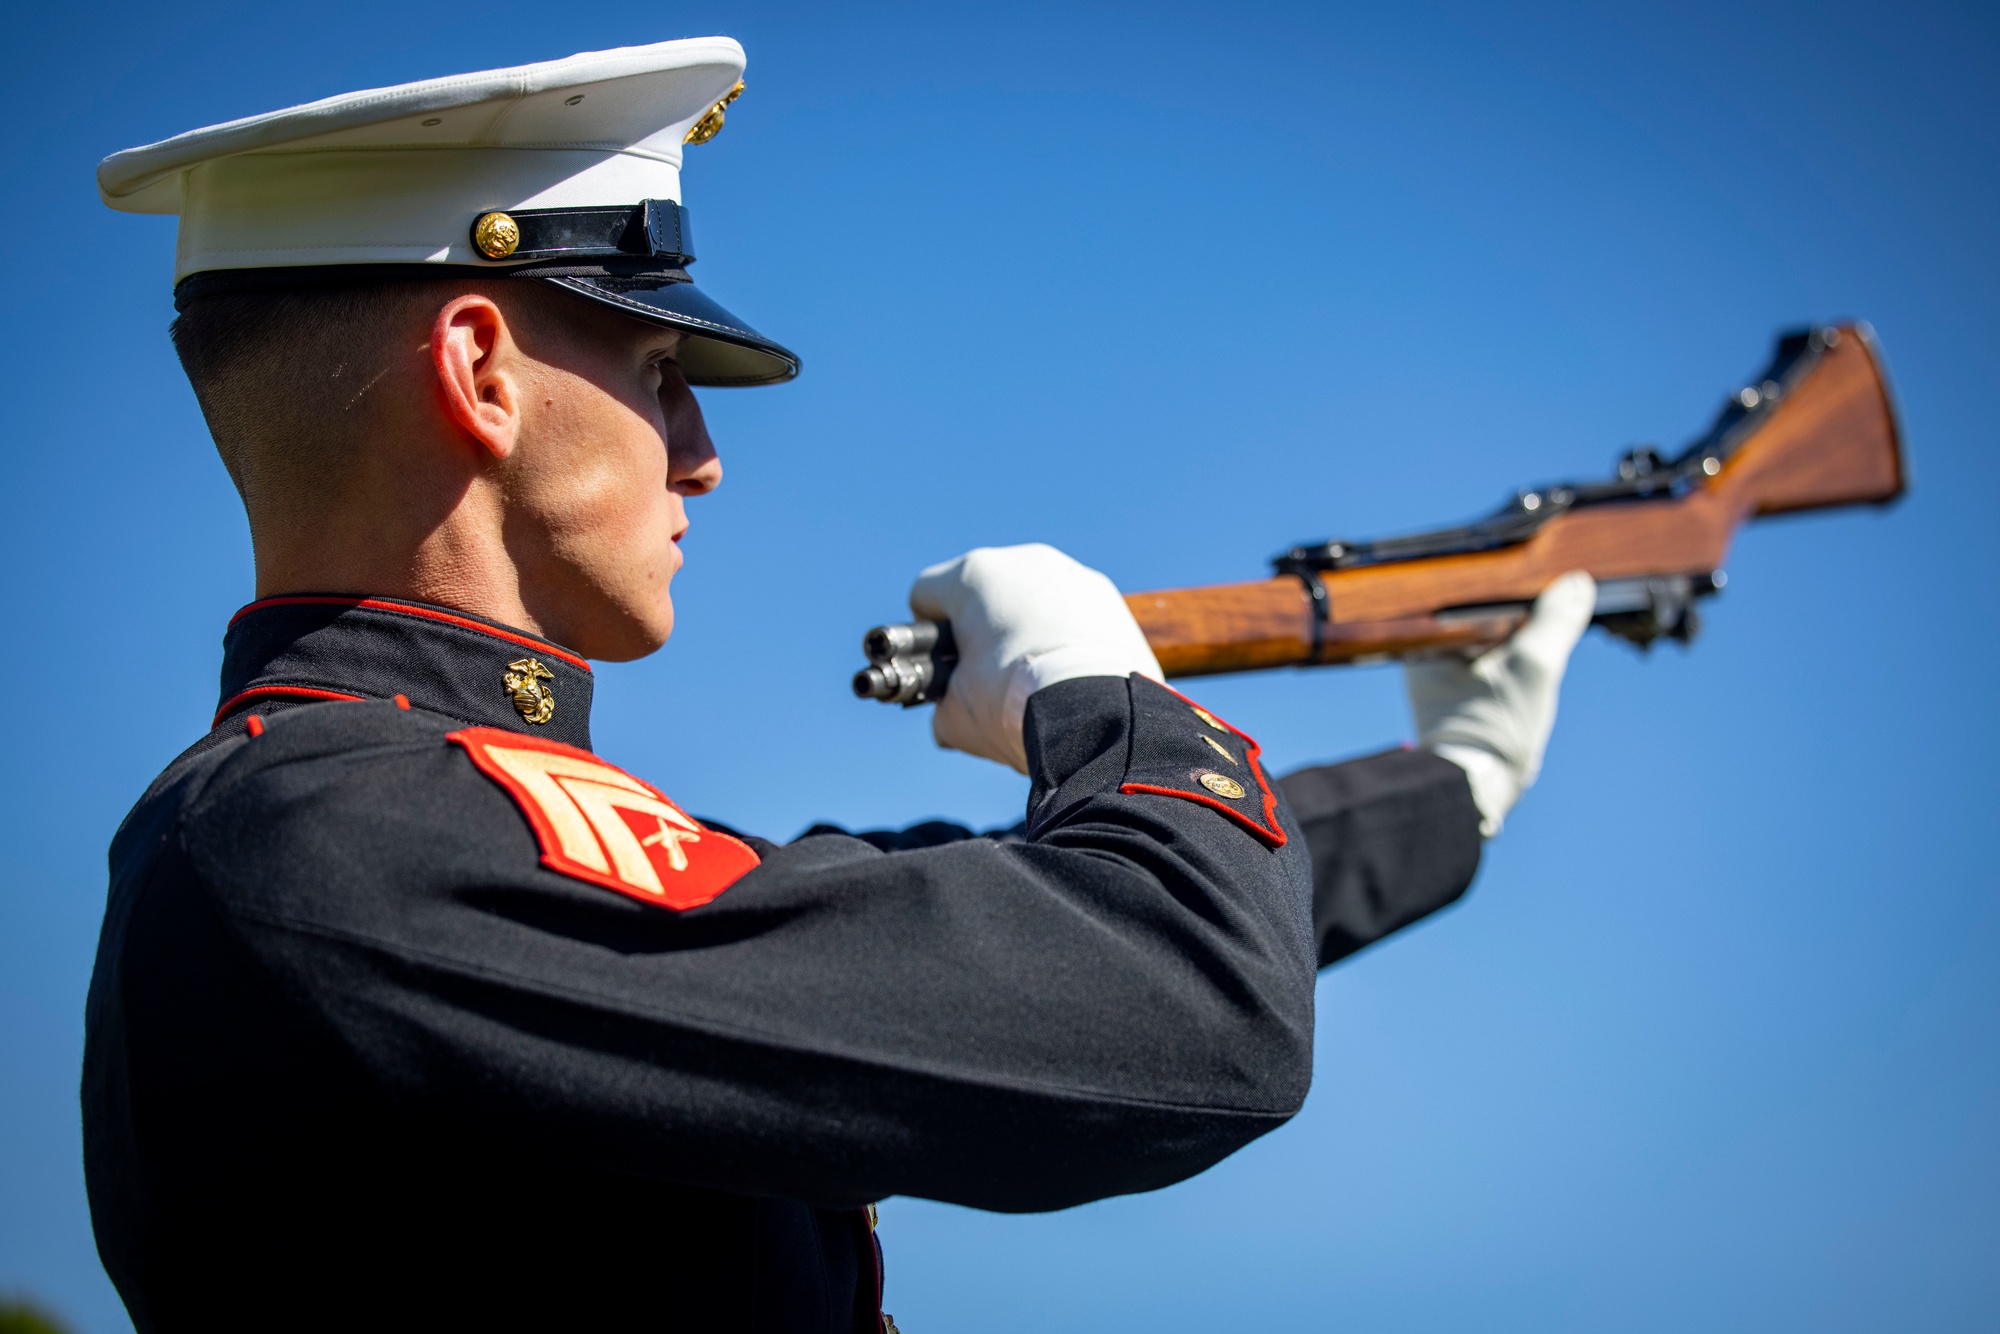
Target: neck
[[441, 544]]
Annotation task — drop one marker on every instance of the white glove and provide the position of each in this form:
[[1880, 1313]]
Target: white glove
[[1024, 617], [1491, 715]]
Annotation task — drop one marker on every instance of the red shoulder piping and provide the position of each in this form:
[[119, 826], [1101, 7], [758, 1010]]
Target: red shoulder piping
[[1270, 831], [425, 613]]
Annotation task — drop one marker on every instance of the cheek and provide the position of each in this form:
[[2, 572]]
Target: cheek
[[628, 485], [606, 470]]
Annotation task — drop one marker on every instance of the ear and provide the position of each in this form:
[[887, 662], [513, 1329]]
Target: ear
[[477, 371]]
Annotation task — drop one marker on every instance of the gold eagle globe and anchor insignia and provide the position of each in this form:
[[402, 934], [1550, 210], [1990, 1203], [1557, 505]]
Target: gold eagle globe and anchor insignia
[[523, 682], [710, 125]]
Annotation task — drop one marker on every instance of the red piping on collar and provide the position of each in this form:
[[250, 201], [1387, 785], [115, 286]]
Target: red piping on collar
[[256, 693], [427, 613]]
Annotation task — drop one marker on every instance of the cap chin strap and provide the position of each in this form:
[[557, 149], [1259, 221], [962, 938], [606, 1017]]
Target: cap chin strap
[[631, 258], [654, 228]]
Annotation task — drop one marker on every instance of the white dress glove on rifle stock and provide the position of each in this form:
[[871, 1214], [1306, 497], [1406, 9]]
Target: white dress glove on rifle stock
[[1491, 715], [1024, 617]]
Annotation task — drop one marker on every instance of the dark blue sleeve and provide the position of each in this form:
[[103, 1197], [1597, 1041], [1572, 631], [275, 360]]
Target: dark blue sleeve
[[1394, 838]]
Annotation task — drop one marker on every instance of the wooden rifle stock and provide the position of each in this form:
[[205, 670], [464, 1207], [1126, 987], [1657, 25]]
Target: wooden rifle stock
[[1829, 438], [1816, 430]]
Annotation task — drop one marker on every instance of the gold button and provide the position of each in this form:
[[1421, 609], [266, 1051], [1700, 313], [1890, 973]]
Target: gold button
[[496, 235], [1208, 718], [1222, 785]]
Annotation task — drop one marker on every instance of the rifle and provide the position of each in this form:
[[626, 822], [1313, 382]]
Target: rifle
[[1815, 430]]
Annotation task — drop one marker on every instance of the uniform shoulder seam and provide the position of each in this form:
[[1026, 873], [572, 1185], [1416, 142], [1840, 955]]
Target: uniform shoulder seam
[[255, 757]]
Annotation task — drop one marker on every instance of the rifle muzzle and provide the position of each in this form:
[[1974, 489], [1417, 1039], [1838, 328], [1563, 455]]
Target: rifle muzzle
[[909, 664]]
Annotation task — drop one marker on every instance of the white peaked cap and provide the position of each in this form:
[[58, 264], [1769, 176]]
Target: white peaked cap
[[582, 155]]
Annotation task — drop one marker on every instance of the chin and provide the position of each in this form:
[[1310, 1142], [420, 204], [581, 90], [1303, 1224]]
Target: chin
[[638, 635], [614, 614], [611, 628], [660, 629]]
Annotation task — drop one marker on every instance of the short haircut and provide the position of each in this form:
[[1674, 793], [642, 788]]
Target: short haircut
[[283, 375]]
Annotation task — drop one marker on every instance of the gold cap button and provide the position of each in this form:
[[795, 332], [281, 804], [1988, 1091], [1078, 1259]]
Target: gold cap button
[[496, 235], [1222, 785], [1208, 718]]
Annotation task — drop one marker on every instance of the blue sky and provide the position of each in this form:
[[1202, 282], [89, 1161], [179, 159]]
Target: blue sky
[[1715, 1041]]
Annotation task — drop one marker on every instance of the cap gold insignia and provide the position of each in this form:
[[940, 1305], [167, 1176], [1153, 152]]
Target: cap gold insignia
[[496, 235], [1221, 750], [532, 700], [1222, 785], [710, 125], [1208, 718]]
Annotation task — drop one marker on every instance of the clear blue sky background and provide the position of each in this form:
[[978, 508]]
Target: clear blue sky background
[[1711, 1045]]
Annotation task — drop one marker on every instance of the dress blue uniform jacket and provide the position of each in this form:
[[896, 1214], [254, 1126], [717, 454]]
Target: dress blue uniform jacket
[[410, 1012]]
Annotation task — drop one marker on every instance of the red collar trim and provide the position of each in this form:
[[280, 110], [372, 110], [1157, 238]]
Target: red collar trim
[[255, 693], [425, 613]]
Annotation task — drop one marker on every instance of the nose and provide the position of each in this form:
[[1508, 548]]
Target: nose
[[692, 466]]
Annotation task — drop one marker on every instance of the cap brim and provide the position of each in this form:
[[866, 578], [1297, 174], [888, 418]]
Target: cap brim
[[720, 350]]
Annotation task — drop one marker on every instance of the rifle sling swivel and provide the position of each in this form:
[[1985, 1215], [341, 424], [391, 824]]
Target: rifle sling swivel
[[1316, 599]]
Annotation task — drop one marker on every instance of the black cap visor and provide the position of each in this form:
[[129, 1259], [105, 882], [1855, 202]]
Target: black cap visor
[[720, 349]]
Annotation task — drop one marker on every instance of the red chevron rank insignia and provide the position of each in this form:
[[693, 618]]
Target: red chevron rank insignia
[[598, 823]]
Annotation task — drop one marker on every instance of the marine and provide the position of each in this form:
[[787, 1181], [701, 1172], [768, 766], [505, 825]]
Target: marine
[[410, 1010]]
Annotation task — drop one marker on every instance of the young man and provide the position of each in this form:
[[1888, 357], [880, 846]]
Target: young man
[[409, 1011]]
